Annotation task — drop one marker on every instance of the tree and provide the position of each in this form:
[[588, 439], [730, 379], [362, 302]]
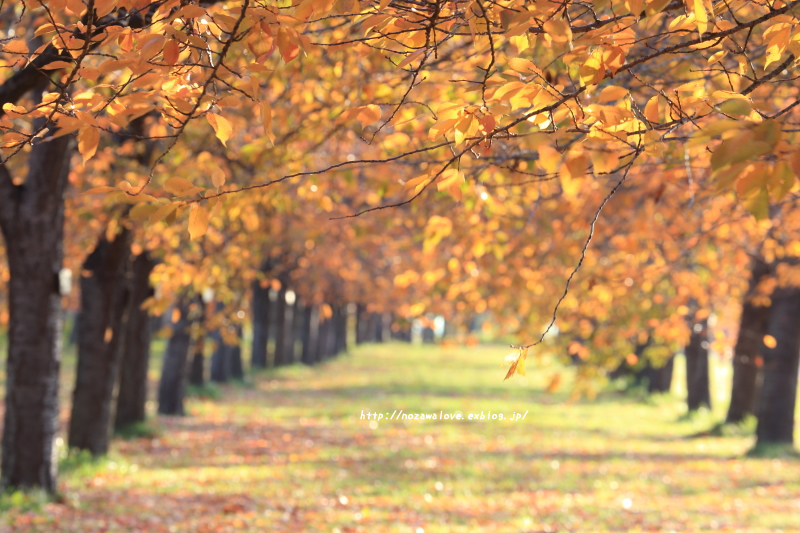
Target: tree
[[32, 221], [135, 358], [105, 309], [471, 102]]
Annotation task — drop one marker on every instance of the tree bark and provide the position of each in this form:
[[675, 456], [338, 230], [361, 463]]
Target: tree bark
[[280, 327], [132, 394], [323, 341], [104, 303], [32, 224], [197, 374], [776, 404], [362, 324], [752, 328], [258, 356], [284, 341], [660, 379], [172, 387], [310, 335], [236, 366], [697, 378], [220, 359]]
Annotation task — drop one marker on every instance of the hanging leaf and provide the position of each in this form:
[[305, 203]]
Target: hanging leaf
[[198, 222], [221, 127]]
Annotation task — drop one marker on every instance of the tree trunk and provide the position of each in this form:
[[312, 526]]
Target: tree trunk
[[132, 394], [220, 359], [258, 356], [361, 324], [697, 378], [323, 340], [172, 388], [105, 293], [197, 374], [310, 334], [776, 404], [281, 322], [660, 379], [752, 328], [235, 353], [343, 329], [32, 223]]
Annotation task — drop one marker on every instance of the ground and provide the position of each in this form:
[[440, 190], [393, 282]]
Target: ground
[[290, 452]]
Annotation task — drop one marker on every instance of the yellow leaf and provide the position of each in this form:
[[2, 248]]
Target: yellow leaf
[[717, 56], [369, 115], [411, 57], [266, 120], [450, 177], [517, 360], [558, 30], [104, 7], [217, 177], [700, 15], [88, 139], [142, 211], [17, 46], [611, 94], [180, 186], [593, 71], [549, 158], [221, 127], [198, 222]]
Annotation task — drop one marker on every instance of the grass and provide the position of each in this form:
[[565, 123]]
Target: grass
[[291, 453]]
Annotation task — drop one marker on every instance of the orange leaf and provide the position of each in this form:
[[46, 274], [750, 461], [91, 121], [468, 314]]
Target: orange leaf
[[88, 139], [198, 222], [221, 127], [266, 120], [369, 115]]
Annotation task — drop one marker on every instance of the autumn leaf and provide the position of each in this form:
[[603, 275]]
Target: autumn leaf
[[517, 360], [198, 222], [221, 127], [180, 186], [88, 139], [266, 120], [369, 115]]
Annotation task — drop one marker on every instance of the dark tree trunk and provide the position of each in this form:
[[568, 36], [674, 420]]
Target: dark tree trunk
[[135, 358], [776, 404], [323, 340], [374, 327], [172, 388], [281, 310], [104, 303], [428, 336], [343, 319], [362, 324], [309, 335], [752, 328], [32, 223], [697, 378], [284, 340], [660, 379], [258, 356], [236, 366], [197, 370], [338, 319], [220, 359]]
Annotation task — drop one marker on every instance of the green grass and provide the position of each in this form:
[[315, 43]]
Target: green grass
[[291, 453]]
